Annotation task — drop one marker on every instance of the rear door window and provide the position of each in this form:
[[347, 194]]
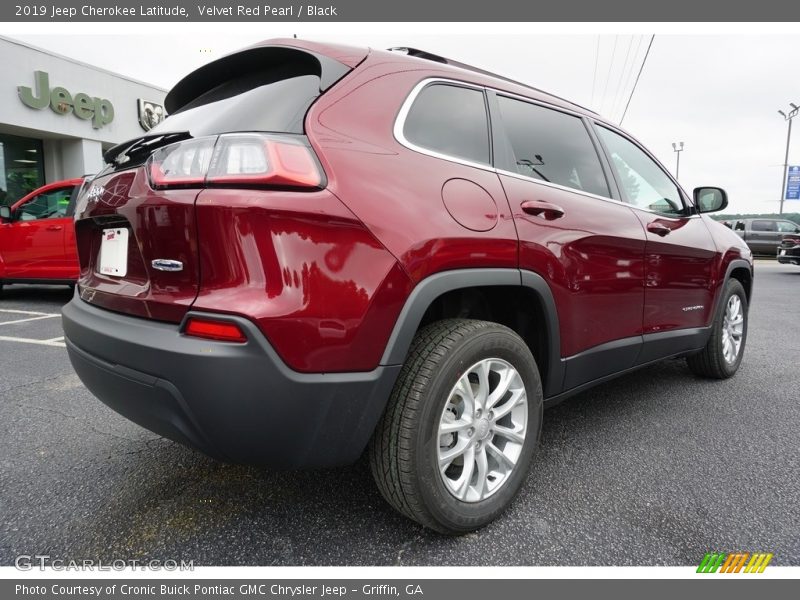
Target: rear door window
[[552, 146], [450, 120]]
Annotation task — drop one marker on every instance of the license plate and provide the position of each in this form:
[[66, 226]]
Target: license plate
[[783, 252], [114, 252]]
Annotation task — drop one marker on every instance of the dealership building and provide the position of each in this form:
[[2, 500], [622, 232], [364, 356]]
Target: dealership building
[[58, 115]]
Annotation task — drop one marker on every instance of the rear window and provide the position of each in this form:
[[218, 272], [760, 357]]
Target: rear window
[[250, 102], [450, 120]]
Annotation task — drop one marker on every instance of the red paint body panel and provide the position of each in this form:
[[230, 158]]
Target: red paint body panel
[[592, 257], [680, 274], [316, 282], [400, 199], [161, 225], [41, 248]]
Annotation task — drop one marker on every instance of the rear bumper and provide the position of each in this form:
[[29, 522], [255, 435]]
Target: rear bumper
[[235, 402]]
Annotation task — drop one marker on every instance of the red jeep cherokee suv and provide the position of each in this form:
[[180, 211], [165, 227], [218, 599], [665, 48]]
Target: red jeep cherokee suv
[[325, 249]]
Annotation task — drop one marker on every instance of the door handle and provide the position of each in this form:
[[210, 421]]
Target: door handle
[[54, 228], [540, 208], [658, 228]]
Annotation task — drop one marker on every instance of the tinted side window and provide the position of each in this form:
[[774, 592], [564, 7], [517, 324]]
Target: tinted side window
[[552, 146], [644, 183], [451, 120], [764, 225], [48, 205]]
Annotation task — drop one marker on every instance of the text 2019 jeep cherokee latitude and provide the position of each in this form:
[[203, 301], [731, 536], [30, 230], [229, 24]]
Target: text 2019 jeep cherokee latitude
[[325, 249]]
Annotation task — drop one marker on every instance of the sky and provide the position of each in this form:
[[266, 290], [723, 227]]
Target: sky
[[719, 94]]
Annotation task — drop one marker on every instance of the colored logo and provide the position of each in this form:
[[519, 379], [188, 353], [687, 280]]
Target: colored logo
[[735, 562]]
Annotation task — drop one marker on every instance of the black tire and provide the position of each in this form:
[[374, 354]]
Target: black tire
[[710, 361], [404, 448]]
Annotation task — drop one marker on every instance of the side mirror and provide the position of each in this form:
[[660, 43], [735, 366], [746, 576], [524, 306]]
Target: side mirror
[[710, 199], [5, 213]]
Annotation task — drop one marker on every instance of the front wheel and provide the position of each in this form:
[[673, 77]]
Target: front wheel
[[723, 353], [462, 424]]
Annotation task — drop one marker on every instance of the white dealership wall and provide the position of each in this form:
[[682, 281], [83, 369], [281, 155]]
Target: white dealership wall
[[71, 146]]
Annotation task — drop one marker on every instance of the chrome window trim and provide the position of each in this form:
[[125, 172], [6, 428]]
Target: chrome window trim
[[400, 120], [542, 103], [558, 186]]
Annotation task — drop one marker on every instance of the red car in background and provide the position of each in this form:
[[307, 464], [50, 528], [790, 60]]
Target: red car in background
[[37, 236]]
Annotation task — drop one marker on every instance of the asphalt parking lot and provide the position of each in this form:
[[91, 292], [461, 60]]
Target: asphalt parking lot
[[655, 468]]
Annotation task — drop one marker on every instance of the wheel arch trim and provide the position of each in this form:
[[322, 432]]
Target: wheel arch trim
[[737, 263], [434, 286]]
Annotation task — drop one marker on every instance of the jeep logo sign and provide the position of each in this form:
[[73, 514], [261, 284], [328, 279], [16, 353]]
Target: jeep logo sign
[[99, 110]]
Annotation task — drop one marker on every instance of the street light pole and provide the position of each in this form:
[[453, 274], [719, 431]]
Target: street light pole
[[677, 148], [787, 117]]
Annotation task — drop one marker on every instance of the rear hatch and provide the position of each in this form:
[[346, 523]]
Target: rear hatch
[[135, 224]]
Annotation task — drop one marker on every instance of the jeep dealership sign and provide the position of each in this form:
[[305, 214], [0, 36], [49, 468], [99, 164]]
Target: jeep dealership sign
[[61, 101]]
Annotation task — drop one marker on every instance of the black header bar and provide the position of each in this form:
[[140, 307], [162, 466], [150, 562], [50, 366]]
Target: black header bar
[[401, 11]]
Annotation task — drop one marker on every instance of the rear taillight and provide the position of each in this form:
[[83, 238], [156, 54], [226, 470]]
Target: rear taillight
[[182, 164], [211, 329], [249, 159]]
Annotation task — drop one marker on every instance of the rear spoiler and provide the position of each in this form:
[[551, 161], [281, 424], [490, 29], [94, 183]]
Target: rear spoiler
[[235, 65]]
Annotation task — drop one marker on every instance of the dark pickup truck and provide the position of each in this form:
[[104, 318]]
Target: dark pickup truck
[[764, 236]]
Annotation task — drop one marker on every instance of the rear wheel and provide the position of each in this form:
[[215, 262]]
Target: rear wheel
[[461, 426], [723, 353]]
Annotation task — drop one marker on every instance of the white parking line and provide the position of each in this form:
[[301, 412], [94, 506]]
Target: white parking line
[[26, 312], [57, 342], [29, 319], [53, 342]]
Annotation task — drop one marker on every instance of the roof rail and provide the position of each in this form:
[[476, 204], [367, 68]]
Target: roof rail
[[416, 53]]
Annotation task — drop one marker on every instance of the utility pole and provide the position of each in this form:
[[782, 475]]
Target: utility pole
[[677, 148], [787, 116]]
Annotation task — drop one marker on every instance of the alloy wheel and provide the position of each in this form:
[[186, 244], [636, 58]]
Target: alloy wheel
[[482, 430]]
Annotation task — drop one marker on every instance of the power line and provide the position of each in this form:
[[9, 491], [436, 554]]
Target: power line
[[631, 70], [638, 75], [621, 75], [608, 76], [596, 60]]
